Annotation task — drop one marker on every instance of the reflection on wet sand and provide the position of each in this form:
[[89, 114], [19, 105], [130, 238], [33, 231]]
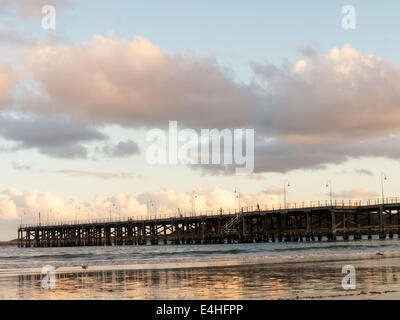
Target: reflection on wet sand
[[239, 282]]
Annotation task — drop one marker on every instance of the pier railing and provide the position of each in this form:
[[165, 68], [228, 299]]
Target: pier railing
[[246, 209]]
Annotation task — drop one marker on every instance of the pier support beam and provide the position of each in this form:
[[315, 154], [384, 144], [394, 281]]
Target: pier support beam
[[333, 225]]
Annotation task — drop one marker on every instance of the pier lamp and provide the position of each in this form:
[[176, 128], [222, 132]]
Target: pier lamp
[[149, 202], [329, 184], [88, 213], [76, 212], [237, 193], [111, 206], [192, 200], [22, 214], [383, 178], [49, 215], [119, 210], [285, 185]]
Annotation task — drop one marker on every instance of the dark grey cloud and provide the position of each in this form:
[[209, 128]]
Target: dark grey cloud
[[274, 155], [358, 171], [308, 52], [56, 136], [66, 151], [122, 149], [363, 172]]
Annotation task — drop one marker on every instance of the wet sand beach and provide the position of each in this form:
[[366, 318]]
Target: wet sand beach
[[248, 271]]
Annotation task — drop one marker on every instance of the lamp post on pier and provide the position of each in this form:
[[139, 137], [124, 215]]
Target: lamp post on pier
[[88, 213], [111, 206], [192, 200], [148, 203], [285, 184], [49, 215], [76, 212], [383, 178], [22, 214], [329, 184], [119, 210], [237, 193]]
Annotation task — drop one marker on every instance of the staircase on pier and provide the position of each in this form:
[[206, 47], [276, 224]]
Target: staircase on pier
[[231, 227]]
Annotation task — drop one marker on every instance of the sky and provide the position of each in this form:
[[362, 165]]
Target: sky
[[77, 102]]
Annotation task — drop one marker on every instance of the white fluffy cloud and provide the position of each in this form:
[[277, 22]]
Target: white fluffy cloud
[[15, 203], [320, 99], [325, 98], [134, 82], [324, 109]]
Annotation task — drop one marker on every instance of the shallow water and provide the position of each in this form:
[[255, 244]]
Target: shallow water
[[230, 271]]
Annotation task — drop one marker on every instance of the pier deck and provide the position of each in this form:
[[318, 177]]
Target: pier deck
[[297, 222]]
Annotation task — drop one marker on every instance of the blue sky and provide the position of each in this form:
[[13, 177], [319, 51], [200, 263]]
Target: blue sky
[[237, 34], [240, 31]]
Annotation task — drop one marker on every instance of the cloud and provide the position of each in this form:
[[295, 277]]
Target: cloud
[[134, 82], [360, 171], [363, 172], [122, 149], [256, 176], [274, 190], [30, 9], [308, 52], [325, 109], [28, 204], [274, 155], [20, 167], [101, 175], [17, 39], [11, 37], [54, 136], [356, 193], [8, 78], [15, 203], [8, 210], [326, 98]]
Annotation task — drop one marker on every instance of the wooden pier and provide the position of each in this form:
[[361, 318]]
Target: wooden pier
[[297, 222]]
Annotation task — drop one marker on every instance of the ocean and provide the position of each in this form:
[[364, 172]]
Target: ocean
[[286, 270]]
